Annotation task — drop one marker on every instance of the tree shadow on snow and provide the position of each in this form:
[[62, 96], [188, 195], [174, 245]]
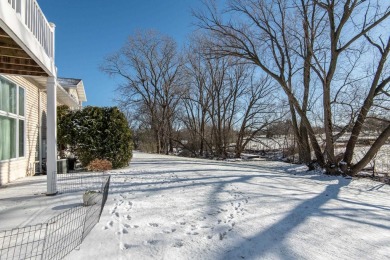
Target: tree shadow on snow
[[221, 179], [273, 237]]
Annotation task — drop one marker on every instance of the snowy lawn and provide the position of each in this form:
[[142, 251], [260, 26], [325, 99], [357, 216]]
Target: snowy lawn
[[175, 208]]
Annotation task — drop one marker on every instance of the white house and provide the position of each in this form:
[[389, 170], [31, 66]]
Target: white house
[[29, 92]]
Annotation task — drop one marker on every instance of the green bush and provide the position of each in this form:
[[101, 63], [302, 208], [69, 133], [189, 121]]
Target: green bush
[[96, 133]]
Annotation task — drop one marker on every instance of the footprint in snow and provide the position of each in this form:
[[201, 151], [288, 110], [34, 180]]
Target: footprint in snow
[[129, 204], [168, 231], [222, 235], [192, 233], [153, 224], [112, 211], [178, 244], [134, 226], [110, 223], [124, 246], [128, 217], [151, 242], [121, 232]]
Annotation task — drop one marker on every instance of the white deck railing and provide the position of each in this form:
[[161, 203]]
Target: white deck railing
[[32, 16]]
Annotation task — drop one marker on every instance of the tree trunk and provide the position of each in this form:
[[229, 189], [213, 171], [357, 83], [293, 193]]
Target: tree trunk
[[301, 137], [381, 140], [329, 149], [305, 153], [366, 106]]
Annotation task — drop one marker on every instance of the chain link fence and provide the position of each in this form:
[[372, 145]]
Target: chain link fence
[[61, 234]]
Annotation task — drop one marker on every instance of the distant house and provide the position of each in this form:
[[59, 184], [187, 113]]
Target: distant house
[[29, 92]]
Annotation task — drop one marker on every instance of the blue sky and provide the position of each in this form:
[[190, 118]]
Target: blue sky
[[87, 31]]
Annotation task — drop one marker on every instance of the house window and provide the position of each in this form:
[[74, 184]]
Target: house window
[[12, 120]]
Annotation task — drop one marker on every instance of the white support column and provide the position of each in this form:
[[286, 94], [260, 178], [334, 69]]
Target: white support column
[[40, 152], [51, 157]]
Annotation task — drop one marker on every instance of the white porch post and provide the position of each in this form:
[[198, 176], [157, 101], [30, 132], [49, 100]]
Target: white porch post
[[51, 157]]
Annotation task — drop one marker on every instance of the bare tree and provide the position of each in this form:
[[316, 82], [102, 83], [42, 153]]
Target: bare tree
[[228, 98], [197, 100], [340, 18], [377, 90], [259, 32], [289, 40], [150, 68]]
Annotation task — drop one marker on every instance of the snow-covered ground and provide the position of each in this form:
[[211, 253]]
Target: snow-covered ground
[[165, 207]]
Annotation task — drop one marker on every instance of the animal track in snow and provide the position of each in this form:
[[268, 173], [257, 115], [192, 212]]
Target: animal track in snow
[[123, 231], [124, 246], [178, 243], [153, 224], [192, 233], [168, 231], [112, 211], [129, 205], [222, 235], [151, 242]]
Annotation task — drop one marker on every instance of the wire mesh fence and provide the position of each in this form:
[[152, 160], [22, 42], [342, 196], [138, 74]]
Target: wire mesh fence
[[75, 182], [23, 243], [61, 234]]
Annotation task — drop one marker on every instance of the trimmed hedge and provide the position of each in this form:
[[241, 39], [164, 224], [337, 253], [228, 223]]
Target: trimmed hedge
[[96, 133]]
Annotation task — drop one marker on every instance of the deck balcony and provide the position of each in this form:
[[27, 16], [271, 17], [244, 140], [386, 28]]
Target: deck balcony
[[26, 39]]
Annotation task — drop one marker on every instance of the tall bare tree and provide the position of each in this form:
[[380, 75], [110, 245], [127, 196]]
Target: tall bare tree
[[290, 39], [344, 30], [260, 32], [150, 68]]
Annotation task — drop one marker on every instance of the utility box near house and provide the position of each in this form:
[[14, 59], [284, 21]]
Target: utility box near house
[[61, 166]]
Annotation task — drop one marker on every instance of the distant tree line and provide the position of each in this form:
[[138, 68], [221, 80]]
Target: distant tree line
[[322, 66]]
